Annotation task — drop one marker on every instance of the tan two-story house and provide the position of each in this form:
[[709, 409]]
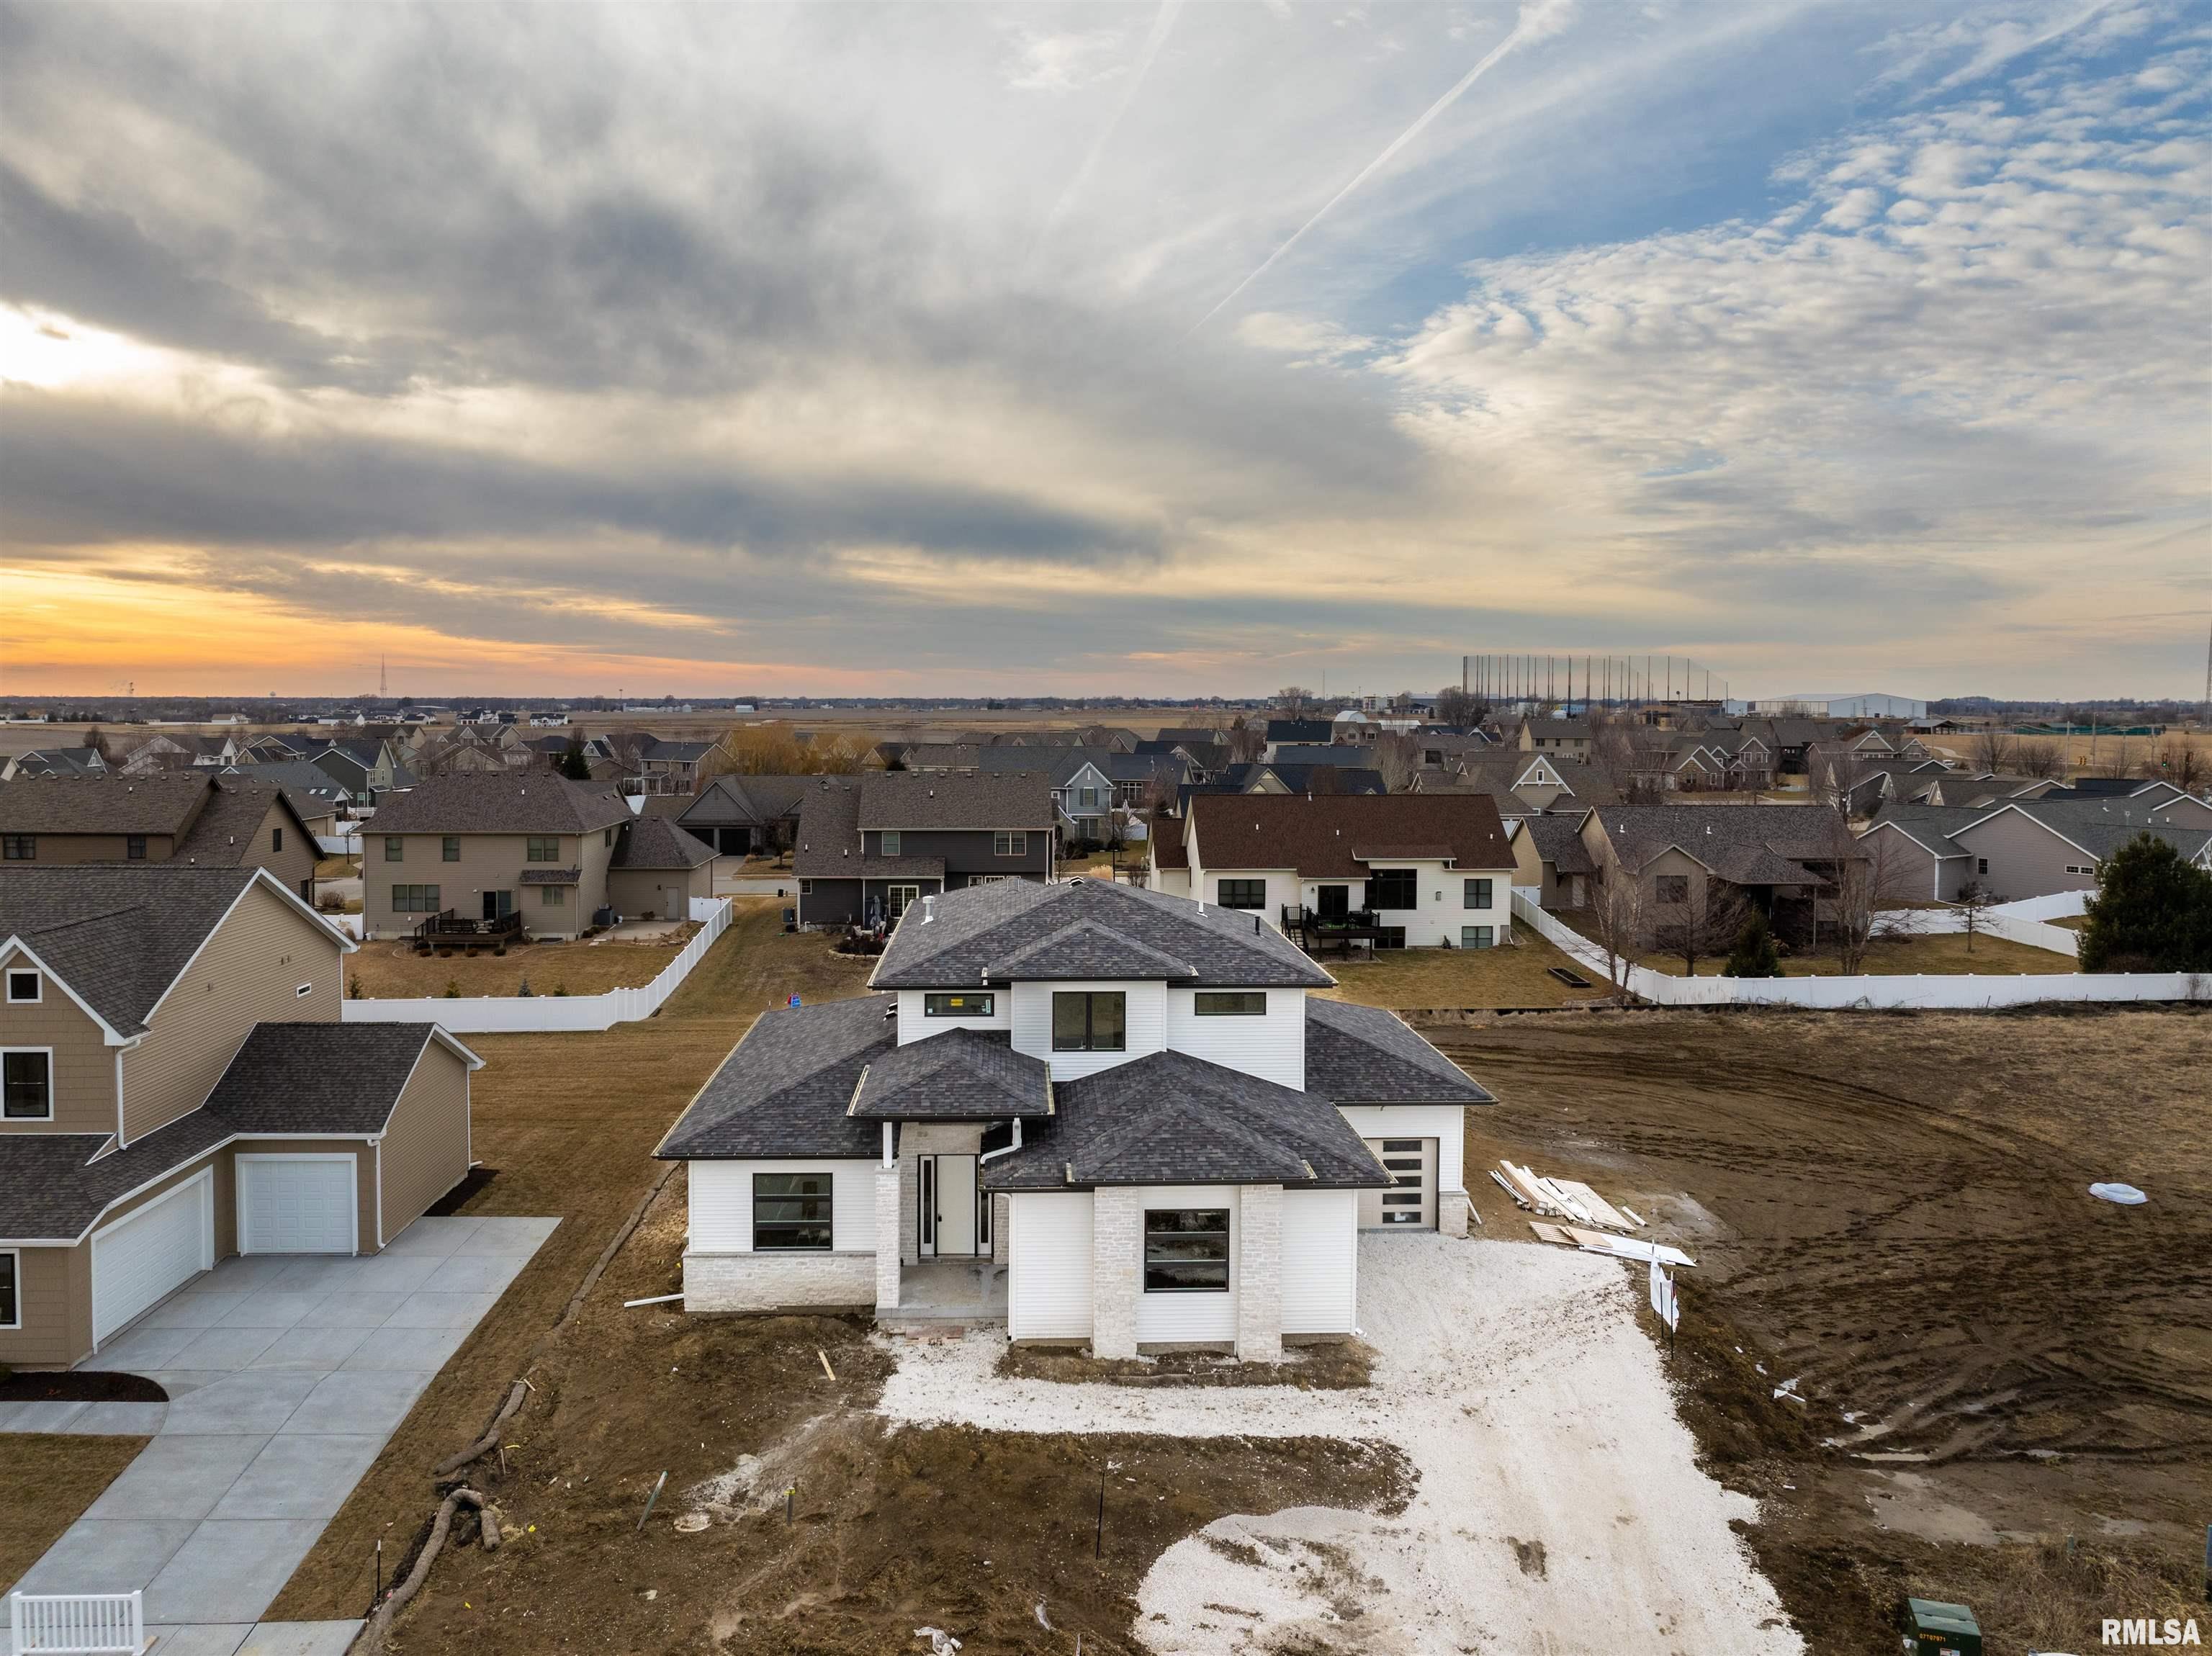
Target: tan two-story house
[[177, 1085], [509, 846], [194, 818]]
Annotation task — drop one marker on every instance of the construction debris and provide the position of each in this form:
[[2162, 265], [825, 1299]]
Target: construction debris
[[1620, 1247], [1567, 1198]]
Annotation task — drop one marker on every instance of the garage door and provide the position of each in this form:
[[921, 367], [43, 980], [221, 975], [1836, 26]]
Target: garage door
[[140, 1259], [1411, 1202], [295, 1204]]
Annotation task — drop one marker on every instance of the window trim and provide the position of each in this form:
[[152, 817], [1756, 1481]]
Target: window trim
[[449, 847], [38, 995], [829, 1196], [395, 847], [1198, 997], [888, 843], [1246, 900], [1661, 883], [300, 991], [408, 907], [14, 1258], [541, 848], [1477, 893], [931, 1009], [1410, 880], [47, 1053], [1010, 842], [275, 840], [134, 847], [1227, 1262], [1470, 936], [1090, 998]]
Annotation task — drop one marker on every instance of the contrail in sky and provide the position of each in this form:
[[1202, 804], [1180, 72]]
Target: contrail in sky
[[1537, 18], [1163, 21]]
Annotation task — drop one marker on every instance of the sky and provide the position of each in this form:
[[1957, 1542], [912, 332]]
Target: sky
[[1151, 350]]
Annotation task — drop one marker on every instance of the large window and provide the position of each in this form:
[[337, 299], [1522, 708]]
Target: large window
[[1241, 894], [450, 847], [19, 847], [958, 1006], [1084, 1021], [1671, 887], [1478, 936], [1230, 1002], [1187, 1250], [1477, 894], [791, 1211], [890, 842], [26, 1085], [414, 900], [11, 1311], [542, 848], [395, 848], [1393, 888], [1005, 844]]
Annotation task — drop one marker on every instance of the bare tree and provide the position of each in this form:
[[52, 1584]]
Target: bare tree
[[1246, 742], [2119, 760], [1458, 709], [1615, 916], [1837, 777], [2180, 761], [1992, 751], [1974, 900], [1398, 758], [1294, 700], [2044, 760], [1862, 876], [1628, 753], [1702, 928]]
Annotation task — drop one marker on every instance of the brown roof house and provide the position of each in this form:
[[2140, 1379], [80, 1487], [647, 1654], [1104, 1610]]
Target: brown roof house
[[179, 1086], [1681, 857], [1401, 871], [480, 853], [194, 818], [870, 847]]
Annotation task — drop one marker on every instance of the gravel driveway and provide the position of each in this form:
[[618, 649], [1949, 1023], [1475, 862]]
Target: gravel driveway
[[1561, 1509]]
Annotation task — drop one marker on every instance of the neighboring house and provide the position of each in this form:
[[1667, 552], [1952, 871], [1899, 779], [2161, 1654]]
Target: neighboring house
[[179, 1086], [2034, 848], [666, 766], [1093, 788], [1571, 738], [1421, 871], [941, 755], [1920, 862], [870, 847], [742, 815], [525, 848], [1125, 1099], [367, 769], [192, 817], [54, 761], [659, 870], [1678, 854], [1521, 782], [2173, 805], [1298, 732], [319, 797], [1550, 859]]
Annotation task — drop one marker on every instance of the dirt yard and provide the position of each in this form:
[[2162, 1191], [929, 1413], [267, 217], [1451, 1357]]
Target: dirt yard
[[1893, 1210], [393, 970], [1441, 978], [48, 1481], [1943, 955]]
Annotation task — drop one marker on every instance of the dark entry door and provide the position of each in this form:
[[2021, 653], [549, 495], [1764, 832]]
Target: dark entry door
[[1332, 902], [498, 904]]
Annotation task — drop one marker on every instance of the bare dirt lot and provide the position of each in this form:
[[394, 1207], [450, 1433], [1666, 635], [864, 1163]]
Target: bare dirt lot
[[388, 970], [1894, 1210]]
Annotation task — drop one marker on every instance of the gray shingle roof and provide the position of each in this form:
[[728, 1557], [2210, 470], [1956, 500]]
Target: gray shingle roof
[[1085, 949], [117, 934], [496, 801], [52, 1190], [550, 877], [962, 1075], [784, 1089], [159, 801], [1746, 845], [1558, 841], [318, 1078], [1367, 1055], [1169, 1117], [2101, 827], [733, 801], [911, 800], [658, 842], [981, 927], [227, 830]]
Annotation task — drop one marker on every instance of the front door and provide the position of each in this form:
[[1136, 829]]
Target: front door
[[1332, 902], [498, 904], [947, 1203]]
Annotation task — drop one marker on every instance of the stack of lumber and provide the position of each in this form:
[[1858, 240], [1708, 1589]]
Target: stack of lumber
[[1591, 1215], [1620, 1247]]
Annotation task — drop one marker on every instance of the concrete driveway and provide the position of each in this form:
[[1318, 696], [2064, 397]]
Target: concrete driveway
[[286, 1374]]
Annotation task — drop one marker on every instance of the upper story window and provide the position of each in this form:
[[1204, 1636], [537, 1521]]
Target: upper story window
[[275, 840], [890, 842], [1014, 844], [1393, 888], [395, 848], [1671, 887], [1090, 1021], [1477, 894], [1241, 894], [1230, 1002], [134, 847], [542, 848], [959, 1006], [1087, 797], [450, 846], [26, 1085], [11, 1313], [24, 987], [18, 847]]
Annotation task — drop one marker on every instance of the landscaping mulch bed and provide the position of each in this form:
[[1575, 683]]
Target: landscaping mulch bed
[[457, 1198], [80, 1385], [1332, 1365]]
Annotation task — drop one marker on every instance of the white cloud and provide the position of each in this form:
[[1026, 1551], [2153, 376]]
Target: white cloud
[[1064, 62]]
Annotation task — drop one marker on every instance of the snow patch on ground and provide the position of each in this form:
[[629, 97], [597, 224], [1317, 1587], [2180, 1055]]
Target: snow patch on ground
[[1560, 1508]]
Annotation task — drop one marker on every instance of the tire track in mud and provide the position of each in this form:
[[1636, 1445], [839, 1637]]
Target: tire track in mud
[[1933, 1261]]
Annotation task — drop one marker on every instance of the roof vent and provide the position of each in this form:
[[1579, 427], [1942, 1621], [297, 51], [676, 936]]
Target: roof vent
[[928, 909]]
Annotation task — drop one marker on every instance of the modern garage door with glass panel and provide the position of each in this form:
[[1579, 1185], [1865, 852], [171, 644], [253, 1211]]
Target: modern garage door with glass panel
[[150, 1253], [295, 1203], [1410, 1203]]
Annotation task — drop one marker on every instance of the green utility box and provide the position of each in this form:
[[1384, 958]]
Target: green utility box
[[1938, 1630]]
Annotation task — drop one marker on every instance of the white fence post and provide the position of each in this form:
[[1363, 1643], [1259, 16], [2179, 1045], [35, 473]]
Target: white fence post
[[77, 1624]]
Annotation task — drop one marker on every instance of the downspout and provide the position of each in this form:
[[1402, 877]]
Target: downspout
[[1004, 1149], [890, 1160], [121, 1140]]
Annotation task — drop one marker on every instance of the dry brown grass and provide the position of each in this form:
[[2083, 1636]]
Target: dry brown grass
[[393, 970], [1939, 956], [50, 1479], [1516, 976]]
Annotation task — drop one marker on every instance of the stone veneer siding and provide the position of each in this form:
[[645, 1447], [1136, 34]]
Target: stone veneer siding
[[1117, 1264], [770, 1282], [1452, 1208], [1259, 1273], [890, 1187]]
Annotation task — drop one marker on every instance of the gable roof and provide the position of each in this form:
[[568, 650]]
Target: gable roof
[[1558, 841], [118, 935], [658, 842], [907, 799], [227, 830], [1169, 1117], [1323, 835], [2100, 826], [323, 1077], [732, 800], [784, 1089], [159, 802], [1745, 845], [978, 930], [960, 1075], [1368, 1055], [501, 801]]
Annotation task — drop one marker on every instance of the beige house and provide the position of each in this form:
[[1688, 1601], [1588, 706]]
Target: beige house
[[502, 850], [177, 1085], [193, 818], [1682, 858], [659, 870]]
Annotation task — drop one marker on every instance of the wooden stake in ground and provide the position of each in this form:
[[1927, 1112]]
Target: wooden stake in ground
[[649, 1500]]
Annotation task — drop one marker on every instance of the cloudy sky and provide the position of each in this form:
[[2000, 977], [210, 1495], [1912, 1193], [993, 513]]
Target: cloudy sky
[[1095, 349]]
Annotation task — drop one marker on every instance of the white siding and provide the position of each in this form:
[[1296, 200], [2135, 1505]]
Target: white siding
[[1032, 1025], [1174, 881], [1163, 1319], [1445, 1123], [1048, 1266], [1321, 1261], [912, 1026], [1272, 1047], [722, 1203], [1282, 888], [1443, 894]]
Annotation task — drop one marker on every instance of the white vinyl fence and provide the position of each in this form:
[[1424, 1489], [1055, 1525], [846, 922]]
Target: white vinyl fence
[[1872, 993], [484, 1015], [2023, 922], [77, 1624]]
